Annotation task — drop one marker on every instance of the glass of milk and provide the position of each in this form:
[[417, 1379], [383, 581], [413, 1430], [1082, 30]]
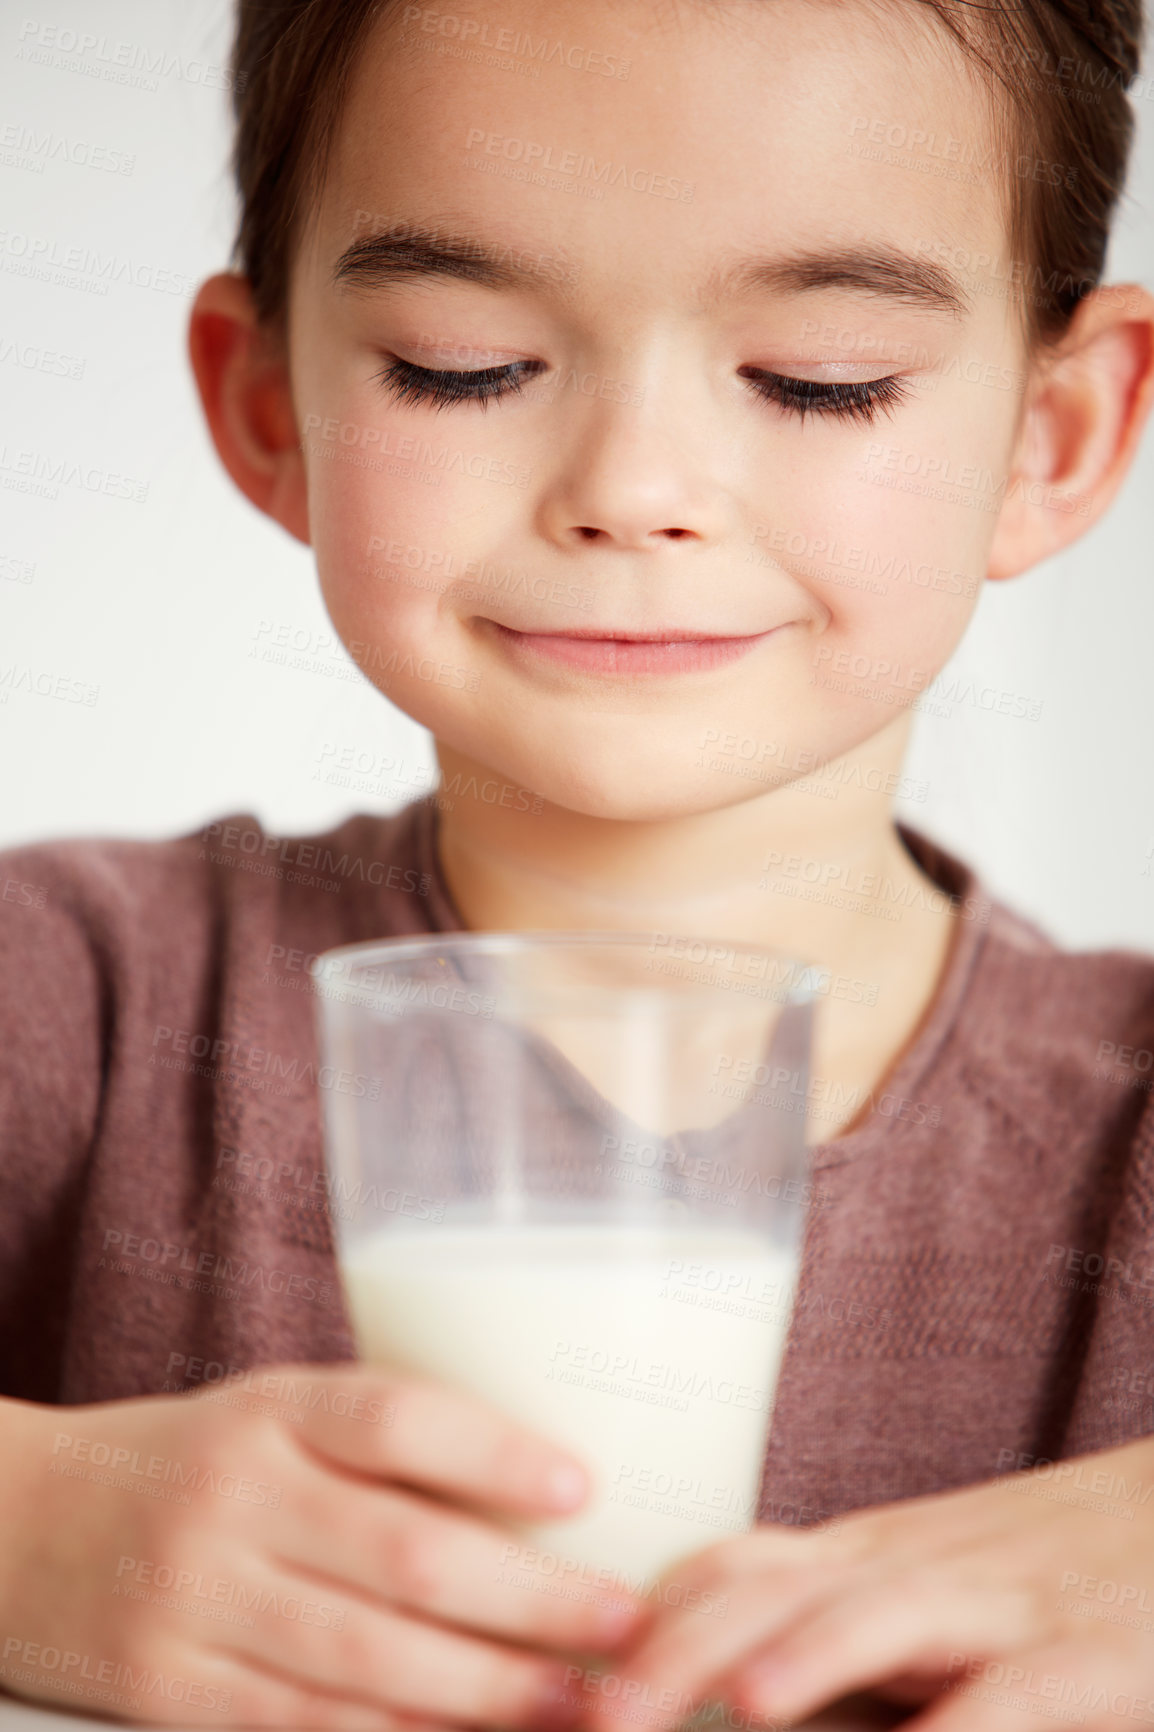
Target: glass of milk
[[567, 1172]]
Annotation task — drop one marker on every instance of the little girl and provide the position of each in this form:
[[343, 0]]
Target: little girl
[[656, 386]]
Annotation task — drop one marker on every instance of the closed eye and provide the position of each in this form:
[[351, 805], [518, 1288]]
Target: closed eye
[[856, 399], [412, 384], [860, 399]]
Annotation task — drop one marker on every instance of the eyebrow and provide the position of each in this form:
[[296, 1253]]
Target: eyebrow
[[877, 270], [378, 260]]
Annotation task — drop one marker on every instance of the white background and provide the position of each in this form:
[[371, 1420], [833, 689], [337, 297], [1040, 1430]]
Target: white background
[[163, 605]]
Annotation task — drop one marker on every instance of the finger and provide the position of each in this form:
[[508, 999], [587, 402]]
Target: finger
[[1061, 1682], [374, 1421], [399, 1546], [672, 1669], [873, 1630], [254, 1694], [771, 1546], [399, 1663]]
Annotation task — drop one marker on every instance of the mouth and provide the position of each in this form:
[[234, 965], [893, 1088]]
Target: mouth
[[621, 652]]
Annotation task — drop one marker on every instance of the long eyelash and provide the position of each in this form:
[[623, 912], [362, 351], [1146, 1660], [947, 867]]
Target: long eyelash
[[412, 384], [857, 399]]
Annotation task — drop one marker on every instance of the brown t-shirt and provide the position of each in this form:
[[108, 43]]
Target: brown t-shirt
[[977, 1286]]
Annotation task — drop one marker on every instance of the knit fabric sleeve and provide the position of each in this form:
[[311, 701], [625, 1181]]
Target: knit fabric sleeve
[[1115, 1399], [54, 1016]]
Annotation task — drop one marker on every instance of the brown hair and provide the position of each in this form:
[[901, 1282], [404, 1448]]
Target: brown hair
[[1063, 68]]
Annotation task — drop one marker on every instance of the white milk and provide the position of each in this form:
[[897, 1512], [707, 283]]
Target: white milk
[[650, 1353]]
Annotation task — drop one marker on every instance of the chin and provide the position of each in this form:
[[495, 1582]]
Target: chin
[[633, 797]]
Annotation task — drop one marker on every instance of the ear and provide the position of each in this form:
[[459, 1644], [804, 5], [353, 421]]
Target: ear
[[1085, 406], [242, 374]]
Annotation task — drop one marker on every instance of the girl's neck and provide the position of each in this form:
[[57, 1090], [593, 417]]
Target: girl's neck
[[824, 880], [816, 870]]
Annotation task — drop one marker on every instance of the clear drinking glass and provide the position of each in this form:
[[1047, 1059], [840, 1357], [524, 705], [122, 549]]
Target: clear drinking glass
[[567, 1172]]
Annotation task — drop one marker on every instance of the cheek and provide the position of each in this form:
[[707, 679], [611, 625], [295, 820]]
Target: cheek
[[385, 531], [387, 614], [364, 510], [400, 503], [891, 530], [396, 529]]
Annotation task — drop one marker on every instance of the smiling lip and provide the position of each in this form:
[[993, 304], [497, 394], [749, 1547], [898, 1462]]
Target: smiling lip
[[671, 652]]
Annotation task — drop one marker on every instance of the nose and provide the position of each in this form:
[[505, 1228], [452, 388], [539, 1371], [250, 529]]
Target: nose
[[629, 478], [590, 532]]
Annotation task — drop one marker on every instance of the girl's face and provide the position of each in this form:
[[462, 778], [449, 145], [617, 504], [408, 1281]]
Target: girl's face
[[733, 259]]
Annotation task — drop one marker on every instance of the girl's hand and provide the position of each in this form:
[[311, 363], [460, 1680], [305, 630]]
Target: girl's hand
[[1012, 1603], [309, 1548]]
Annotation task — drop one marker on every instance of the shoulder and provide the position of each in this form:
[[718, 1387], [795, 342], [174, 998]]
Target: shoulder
[[1068, 1035], [120, 892], [1055, 1043], [106, 942], [1092, 1010], [94, 879], [1014, 986], [112, 901], [92, 929]]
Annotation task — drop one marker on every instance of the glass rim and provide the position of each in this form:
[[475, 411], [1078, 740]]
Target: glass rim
[[508, 943]]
